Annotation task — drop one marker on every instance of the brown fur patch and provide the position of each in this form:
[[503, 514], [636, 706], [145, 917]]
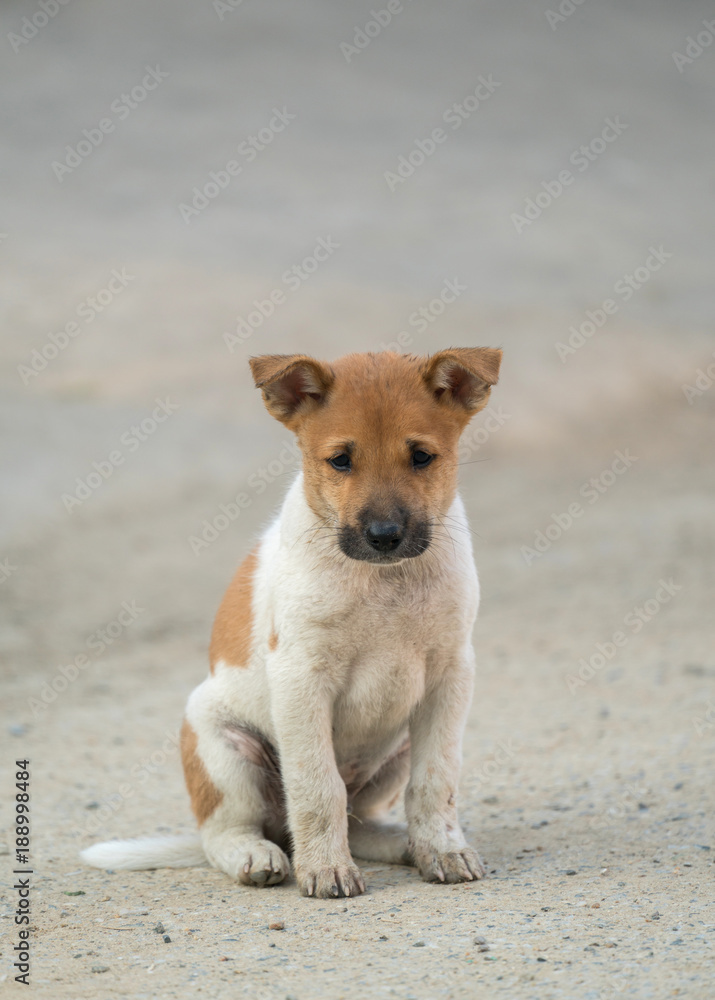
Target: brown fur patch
[[290, 382], [272, 640], [204, 795], [233, 627], [379, 409]]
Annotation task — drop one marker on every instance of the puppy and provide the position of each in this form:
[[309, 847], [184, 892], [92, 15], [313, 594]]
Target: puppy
[[341, 660]]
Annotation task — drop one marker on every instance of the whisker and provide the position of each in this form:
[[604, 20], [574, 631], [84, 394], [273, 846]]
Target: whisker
[[456, 465]]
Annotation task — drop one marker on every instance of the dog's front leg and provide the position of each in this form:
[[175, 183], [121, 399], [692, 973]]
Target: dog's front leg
[[315, 793], [437, 844]]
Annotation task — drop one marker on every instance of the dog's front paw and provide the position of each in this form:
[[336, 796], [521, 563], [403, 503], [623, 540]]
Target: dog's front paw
[[462, 865], [331, 881]]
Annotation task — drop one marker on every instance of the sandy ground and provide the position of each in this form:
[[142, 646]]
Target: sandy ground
[[587, 786]]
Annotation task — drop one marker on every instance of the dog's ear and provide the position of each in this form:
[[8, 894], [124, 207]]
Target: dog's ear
[[292, 384], [462, 377]]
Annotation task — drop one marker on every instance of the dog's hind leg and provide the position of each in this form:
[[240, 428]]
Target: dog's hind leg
[[236, 795], [369, 838]]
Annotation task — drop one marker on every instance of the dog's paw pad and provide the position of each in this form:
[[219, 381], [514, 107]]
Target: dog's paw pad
[[464, 865], [332, 882], [259, 863]]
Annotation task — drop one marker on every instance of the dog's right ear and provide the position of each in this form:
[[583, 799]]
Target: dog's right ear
[[292, 384]]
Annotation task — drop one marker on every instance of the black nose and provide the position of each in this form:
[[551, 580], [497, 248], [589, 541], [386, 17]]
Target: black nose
[[384, 536]]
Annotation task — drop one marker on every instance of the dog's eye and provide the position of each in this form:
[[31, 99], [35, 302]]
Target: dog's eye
[[420, 459], [341, 462]]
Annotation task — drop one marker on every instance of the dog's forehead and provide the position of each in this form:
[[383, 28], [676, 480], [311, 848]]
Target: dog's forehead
[[380, 397], [378, 373], [379, 394]]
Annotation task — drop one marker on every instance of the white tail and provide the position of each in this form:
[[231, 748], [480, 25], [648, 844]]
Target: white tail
[[146, 852]]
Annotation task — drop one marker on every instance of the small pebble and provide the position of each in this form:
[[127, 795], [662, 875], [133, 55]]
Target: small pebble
[[480, 940], [483, 947], [79, 892], [540, 959], [159, 929], [571, 871], [92, 805], [133, 913], [100, 968], [420, 944], [655, 916], [383, 937], [278, 925], [167, 939]]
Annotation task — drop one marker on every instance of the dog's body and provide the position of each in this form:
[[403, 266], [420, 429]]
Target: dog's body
[[341, 660]]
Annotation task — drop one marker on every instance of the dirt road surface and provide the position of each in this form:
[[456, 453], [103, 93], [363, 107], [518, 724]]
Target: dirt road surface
[[127, 322]]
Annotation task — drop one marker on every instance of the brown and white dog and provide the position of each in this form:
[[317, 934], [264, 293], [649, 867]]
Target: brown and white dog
[[341, 659]]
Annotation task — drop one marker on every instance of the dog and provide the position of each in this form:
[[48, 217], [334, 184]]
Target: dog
[[341, 660]]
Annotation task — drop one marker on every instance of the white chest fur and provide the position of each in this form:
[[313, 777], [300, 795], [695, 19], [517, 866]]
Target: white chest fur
[[382, 635]]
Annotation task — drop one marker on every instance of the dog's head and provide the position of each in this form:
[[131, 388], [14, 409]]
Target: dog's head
[[379, 436]]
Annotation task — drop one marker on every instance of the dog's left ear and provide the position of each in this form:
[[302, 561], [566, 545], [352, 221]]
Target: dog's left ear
[[292, 384], [462, 377]]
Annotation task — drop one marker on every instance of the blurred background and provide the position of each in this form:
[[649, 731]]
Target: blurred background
[[188, 184]]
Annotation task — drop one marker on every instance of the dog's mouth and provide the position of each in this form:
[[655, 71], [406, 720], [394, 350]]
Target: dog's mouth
[[384, 543]]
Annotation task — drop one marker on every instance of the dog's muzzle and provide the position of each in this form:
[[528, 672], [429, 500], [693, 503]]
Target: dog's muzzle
[[385, 541]]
